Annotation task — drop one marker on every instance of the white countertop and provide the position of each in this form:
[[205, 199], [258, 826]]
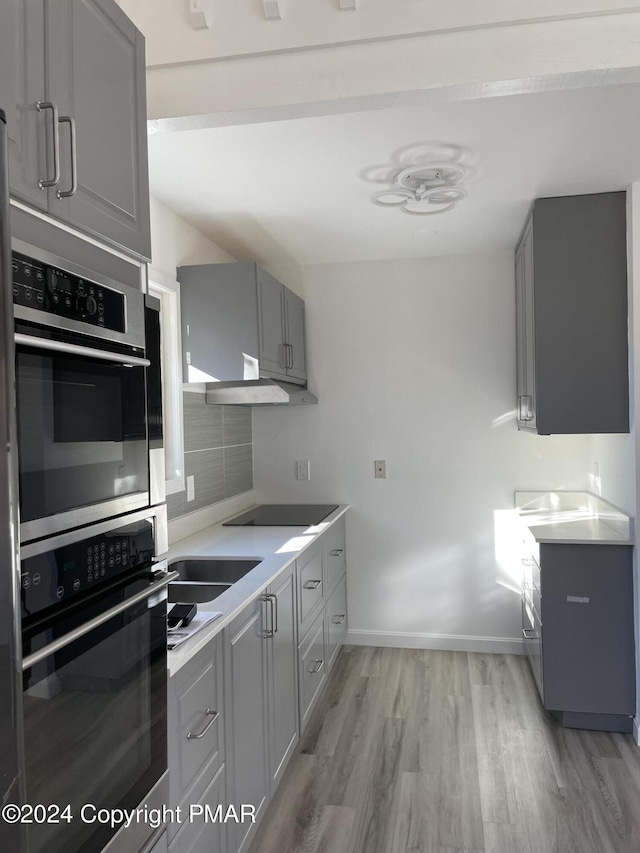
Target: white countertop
[[573, 518], [276, 547]]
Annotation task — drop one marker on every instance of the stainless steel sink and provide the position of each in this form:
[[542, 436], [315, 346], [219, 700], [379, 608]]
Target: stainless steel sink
[[205, 578]]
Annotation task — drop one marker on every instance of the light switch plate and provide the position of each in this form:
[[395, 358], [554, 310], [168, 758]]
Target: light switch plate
[[380, 466], [191, 488]]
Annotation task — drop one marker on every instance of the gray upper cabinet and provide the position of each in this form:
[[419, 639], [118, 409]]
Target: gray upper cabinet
[[240, 323], [86, 58], [571, 306]]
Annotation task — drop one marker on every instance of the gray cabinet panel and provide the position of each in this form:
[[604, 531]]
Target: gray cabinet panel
[[310, 586], [313, 668], [271, 313], [219, 320], [295, 335], [247, 693], [336, 610], [283, 681], [571, 279], [96, 74], [198, 835], [588, 640], [334, 545], [22, 85], [161, 845]]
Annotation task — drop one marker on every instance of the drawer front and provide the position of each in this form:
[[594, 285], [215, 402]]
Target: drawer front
[[335, 555], [531, 572], [336, 620], [532, 634], [310, 587], [199, 707], [313, 668], [205, 836]]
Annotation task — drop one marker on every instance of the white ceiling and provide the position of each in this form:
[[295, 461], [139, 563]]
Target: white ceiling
[[296, 191]]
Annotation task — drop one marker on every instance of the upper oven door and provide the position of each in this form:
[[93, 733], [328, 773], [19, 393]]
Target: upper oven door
[[82, 434]]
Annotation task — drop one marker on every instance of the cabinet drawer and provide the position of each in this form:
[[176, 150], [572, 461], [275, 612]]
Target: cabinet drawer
[[310, 587], [532, 634], [313, 670], [196, 732], [205, 836], [336, 611], [335, 554]]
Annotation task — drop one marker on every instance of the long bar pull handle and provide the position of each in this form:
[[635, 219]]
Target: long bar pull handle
[[312, 584], [290, 365], [74, 158], [274, 599], [527, 631], [41, 106], [316, 666], [75, 349], [268, 632], [208, 713], [85, 628]]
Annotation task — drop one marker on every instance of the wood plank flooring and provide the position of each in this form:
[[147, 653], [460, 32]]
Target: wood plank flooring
[[414, 751]]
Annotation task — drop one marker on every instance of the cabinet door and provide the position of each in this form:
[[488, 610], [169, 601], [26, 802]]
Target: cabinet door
[[295, 335], [283, 682], [201, 835], [313, 670], [96, 74], [525, 331], [336, 612], [247, 715], [271, 324], [21, 87]]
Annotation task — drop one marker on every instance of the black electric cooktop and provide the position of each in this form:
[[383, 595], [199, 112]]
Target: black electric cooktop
[[283, 515]]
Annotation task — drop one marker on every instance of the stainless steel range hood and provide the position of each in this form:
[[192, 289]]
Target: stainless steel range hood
[[259, 392]]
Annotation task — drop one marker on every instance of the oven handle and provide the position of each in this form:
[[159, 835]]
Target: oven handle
[[75, 349], [74, 635]]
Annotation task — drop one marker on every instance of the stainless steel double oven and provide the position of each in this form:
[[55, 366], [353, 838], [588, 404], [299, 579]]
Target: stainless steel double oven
[[92, 524]]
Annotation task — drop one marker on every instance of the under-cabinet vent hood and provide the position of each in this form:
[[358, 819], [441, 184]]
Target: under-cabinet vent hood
[[259, 392]]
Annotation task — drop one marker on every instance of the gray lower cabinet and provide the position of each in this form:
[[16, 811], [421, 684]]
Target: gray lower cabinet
[[262, 698], [578, 629], [160, 846], [572, 316], [196, 738], [86, 59], [206, 830], [312, 657], [231, 311], [336, 619]]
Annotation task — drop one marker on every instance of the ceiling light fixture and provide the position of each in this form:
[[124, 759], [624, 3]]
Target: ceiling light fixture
[[426, 188]]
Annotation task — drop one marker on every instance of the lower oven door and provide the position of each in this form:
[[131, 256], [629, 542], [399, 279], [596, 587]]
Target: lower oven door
[[95, 713], [82, 432]]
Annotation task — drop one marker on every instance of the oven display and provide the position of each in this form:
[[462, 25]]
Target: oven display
[[59, 575]]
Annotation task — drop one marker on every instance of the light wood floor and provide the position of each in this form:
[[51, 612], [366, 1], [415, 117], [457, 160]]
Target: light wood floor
[[440, 752]]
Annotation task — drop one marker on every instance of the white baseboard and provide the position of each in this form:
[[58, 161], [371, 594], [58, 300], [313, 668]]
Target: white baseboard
[[636, 730], [192, 523], [447, 642]]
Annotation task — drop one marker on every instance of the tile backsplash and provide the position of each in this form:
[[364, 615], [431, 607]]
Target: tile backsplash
[[218, 453]]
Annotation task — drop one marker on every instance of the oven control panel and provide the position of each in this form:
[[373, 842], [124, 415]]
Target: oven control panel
[[58, 575], [46, 288]]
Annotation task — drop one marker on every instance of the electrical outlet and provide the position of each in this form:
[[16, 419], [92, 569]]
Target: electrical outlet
[[380, 466], [303, 469], [191, 488]]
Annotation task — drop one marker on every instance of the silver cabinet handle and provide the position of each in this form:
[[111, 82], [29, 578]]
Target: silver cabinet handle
[[316, 666], [339, 619], [337, 552], [527, 631], [208, 713], [76, 349], [74, 635], [312, 584], [274, 599], [74, 158], [268, 632], [284, 360], [41, 106], [290, 365], [529, 414]]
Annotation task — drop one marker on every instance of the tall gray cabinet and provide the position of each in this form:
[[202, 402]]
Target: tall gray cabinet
[[571, 305], [82, 156]]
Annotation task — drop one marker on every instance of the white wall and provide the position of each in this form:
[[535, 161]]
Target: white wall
[[174, 242], [414, 361]]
